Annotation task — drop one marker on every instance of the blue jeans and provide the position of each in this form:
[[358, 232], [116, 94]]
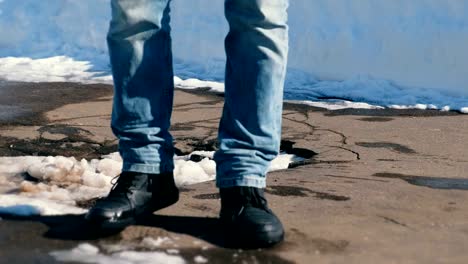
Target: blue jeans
[[250, 128]]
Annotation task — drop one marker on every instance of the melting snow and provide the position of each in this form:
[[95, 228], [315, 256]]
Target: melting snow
[[57, 185]]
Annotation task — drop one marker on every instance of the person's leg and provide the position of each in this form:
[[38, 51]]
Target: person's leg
[[250, 128], [140, 52]]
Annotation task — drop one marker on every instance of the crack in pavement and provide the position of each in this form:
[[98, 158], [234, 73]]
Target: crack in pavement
[[344, 138], [358, 156], [393, 221]]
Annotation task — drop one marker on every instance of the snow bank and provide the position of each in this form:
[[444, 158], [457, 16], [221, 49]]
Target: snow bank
[[53, 69], [41, 29], [388, 53], [418, 43]]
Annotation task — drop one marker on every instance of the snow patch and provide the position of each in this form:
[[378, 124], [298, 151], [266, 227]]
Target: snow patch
[[52, 69], [337, 104], [173, 251], [62, 183], [200, 259], [193, 83]]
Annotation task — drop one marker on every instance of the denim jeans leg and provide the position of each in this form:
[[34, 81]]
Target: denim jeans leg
[[140, 52], [250, 128]]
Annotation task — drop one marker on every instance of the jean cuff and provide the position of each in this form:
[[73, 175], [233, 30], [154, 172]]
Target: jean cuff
[[147, 168], [241, 180]]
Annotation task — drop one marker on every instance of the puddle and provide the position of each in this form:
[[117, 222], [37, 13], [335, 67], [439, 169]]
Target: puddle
[[388, 145], [329, 196], [287, 191], [207, 196], [431, 182], [282, 190], [376, 119]]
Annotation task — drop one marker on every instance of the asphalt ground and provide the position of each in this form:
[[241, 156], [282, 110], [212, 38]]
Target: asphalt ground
[[377, 186]]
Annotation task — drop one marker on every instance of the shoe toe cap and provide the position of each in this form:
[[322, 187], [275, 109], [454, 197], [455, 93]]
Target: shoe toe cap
[[102, 214], [259, 219], [255, 228]]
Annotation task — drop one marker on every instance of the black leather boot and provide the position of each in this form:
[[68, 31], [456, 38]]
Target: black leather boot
[[133, 195], [247, 220]]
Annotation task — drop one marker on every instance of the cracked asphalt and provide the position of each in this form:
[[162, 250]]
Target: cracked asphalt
[[378, 186]]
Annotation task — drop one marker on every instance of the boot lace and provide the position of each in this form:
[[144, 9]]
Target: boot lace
[[255, 198], [240, 197], [121, 185]]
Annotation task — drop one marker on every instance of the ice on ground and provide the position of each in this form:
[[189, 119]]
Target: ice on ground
[[60, 184], [87, 253]]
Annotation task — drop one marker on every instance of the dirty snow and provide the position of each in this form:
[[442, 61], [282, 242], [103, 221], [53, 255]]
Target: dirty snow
[[57, 185]]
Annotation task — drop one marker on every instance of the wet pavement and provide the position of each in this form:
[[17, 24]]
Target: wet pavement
[[377, 186]]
